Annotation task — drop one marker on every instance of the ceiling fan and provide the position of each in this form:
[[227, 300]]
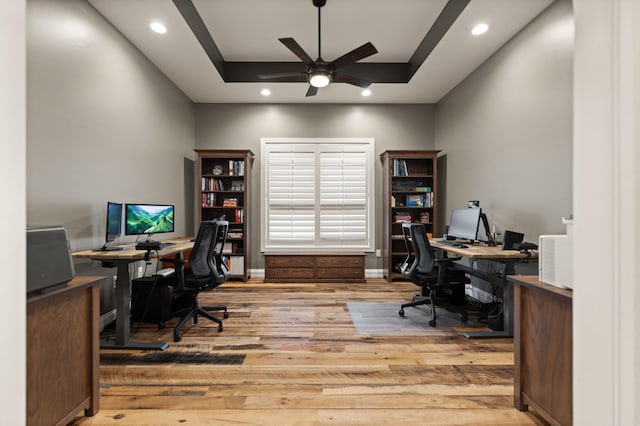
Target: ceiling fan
[[320, 73]]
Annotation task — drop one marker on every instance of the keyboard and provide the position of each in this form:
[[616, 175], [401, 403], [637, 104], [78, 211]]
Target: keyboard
[[153, 245], [454, 244]]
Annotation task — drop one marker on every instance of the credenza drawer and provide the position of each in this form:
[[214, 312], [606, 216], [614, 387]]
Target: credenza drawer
[[340, 273], [289, 261], [302, 273], [339, 261]]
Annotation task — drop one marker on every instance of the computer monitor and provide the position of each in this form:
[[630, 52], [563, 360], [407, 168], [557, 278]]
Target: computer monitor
[[113, 226], [141, 219], [464, 223]]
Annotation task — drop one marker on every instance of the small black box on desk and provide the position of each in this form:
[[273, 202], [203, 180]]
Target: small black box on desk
[[152, 299]]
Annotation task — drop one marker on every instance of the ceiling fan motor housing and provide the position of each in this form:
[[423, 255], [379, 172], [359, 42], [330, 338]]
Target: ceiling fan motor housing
[[319, 3]]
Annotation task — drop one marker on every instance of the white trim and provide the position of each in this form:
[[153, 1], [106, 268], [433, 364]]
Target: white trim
[[605, 334]]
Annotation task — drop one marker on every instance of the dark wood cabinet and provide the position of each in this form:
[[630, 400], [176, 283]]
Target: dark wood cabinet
[[63, 352], [224, 190], [409, 195], [543, 349], [290, 267]]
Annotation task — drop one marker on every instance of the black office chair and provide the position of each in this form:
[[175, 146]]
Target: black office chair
[[206, 272], [430, 274]]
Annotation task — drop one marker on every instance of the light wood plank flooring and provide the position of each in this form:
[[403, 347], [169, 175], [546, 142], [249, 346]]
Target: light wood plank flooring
[[290, 355]]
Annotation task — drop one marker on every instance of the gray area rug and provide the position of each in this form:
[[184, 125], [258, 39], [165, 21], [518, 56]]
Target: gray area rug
[[381, 318]]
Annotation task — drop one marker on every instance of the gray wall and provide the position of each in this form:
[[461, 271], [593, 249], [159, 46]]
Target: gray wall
[[506, 130], [102, 124], [228, 126]]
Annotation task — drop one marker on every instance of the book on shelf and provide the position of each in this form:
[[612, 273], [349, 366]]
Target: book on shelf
[[234, 235], [212, 184], [236, 167], [239, 215], [400, 168], [402, 217], [415, 200], [208, 199], [230, 202], [423, 189]]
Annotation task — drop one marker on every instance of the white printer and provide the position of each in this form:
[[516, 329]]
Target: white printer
[[556, 257]]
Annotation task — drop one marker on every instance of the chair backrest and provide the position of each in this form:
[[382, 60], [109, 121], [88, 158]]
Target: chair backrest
[[422, 248], [420, 254], [219, 267], [200, 258]]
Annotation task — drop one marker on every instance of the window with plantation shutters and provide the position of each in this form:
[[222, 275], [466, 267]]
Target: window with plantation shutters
[[317, 194]]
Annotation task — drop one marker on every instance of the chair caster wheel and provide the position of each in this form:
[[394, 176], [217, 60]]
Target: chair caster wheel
[[177, 337], [432, 323], [401, 312], [226, 315], [219, 328]]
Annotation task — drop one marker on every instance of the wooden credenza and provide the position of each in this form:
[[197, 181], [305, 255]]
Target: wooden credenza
[[334, 267], [543, 349], [63, 353]]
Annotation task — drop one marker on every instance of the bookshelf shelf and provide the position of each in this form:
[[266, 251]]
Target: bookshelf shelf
[[224, 183], [410, 177]]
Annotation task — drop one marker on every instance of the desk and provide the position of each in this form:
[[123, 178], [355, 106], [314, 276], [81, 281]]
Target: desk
[[508, 258], [121, 259]]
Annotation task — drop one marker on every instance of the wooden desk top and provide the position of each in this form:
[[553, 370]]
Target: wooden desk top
[[482, 251], [129, 251], [532, 281]]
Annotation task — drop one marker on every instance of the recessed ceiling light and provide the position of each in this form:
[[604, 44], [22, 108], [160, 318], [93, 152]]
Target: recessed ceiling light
[[158, 27], [366, 92], [265, 92], [480, 29]]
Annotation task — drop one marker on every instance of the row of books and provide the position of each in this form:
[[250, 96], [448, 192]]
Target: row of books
[[413, 200], [235, 264], [214, 184], [236, 167], [405, 217], [400, 168]]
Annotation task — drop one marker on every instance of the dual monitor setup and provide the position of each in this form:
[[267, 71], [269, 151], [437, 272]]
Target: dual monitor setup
[[138, 219]]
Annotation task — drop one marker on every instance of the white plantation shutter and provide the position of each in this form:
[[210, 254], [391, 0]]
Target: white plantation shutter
[[317, 194], [343, 197], [290, 196]]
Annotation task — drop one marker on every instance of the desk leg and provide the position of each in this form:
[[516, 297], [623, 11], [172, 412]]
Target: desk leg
[[507, 309], [123, 316]]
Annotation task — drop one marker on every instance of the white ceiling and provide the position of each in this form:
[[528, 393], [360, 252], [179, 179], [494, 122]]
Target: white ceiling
[[248, 30]]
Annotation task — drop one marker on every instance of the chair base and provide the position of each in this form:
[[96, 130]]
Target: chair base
[[193, 313], [430, 299]]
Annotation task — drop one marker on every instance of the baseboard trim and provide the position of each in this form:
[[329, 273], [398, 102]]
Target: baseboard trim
[[368, 273]]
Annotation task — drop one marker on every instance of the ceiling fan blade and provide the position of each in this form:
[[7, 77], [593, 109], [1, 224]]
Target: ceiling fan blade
[[355, 55], [297, 50], [356, 81], [312, 91], [277, 75]]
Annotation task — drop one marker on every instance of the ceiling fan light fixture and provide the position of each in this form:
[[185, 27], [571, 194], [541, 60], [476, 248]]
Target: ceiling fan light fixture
[[319, 78]]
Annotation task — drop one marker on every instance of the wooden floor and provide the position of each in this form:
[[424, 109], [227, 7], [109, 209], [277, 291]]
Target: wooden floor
[[290, 355]]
